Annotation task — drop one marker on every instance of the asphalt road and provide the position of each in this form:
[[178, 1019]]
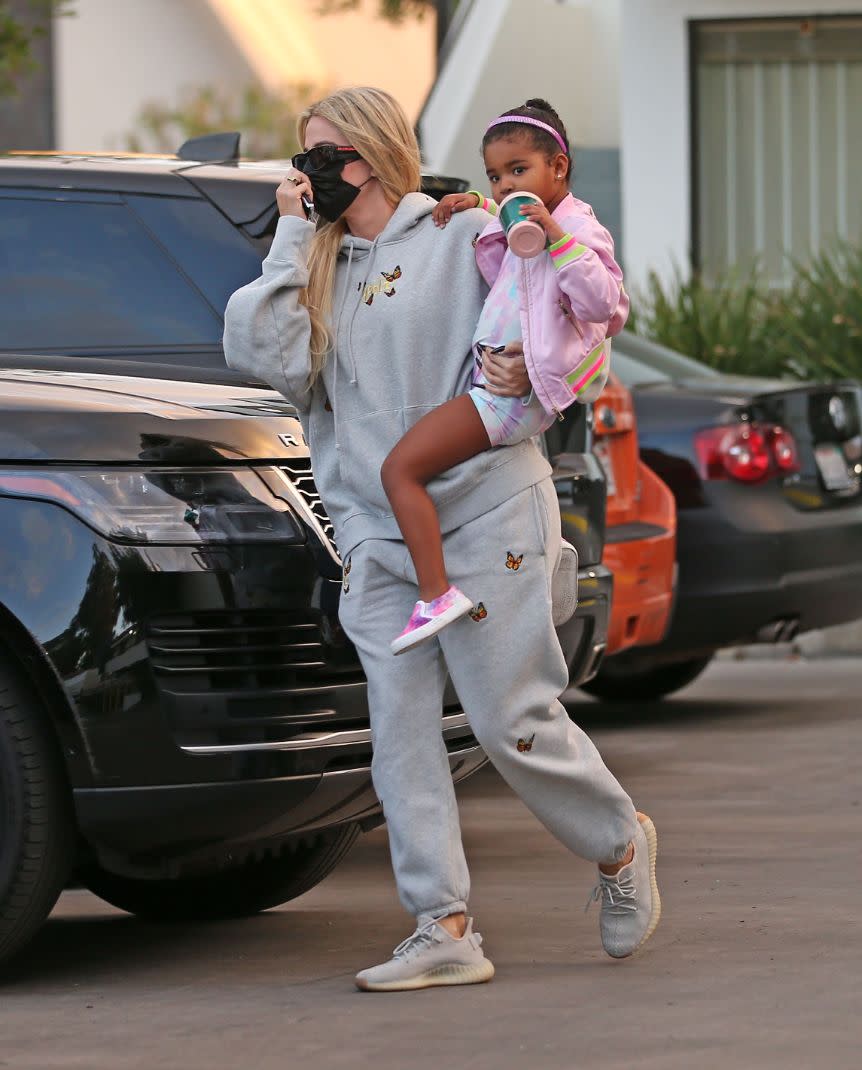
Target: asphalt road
[[752, 778]]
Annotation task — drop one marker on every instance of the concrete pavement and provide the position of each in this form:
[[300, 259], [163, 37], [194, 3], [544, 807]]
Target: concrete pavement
[[751, 775]]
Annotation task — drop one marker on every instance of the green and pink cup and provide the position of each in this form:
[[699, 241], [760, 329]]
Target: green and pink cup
[[526, 238]]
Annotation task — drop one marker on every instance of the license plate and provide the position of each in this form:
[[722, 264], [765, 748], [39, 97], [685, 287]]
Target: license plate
[[602, 450], [833, 468]]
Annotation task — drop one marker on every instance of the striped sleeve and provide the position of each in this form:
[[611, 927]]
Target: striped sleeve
[[587, 381], [566, 251], [587, 272], [485, 202]]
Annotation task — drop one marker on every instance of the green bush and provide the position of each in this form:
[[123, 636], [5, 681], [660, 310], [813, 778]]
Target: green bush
[[822, 316], [736, 324]]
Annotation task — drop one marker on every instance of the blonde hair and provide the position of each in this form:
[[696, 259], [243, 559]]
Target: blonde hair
[[374, 123]]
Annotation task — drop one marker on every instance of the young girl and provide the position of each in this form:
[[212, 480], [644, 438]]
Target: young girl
[[564, 305]]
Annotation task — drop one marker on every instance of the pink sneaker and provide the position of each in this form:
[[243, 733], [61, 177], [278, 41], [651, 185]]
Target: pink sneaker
[[428, 618]]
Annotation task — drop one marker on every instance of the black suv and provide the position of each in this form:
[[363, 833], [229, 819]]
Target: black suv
[[183, 724]]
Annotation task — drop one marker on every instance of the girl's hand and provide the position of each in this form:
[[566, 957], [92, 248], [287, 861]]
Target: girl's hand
[[289, 194], [506, 372], [452, 202], [538, 213]]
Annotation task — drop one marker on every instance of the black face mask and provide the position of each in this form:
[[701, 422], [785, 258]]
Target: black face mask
[[332, 194]]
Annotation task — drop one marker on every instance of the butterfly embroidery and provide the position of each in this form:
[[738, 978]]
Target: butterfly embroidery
[[345, 574], [479, 613], [383, 285], [525, 745], [512, 562]]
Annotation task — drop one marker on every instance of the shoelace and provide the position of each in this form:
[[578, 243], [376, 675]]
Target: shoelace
[[418, 941], [619, 893]]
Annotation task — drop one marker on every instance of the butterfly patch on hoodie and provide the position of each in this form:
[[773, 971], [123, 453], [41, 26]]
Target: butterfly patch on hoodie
[[384, 285]]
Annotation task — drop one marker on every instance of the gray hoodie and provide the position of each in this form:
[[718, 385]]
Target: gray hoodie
[[405, 307]]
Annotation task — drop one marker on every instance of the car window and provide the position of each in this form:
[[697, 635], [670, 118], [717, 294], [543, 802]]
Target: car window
[[84, 273], [657, 359], [211, 251]]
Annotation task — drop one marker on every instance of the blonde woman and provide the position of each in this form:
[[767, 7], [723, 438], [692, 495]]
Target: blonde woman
[[365, 322]]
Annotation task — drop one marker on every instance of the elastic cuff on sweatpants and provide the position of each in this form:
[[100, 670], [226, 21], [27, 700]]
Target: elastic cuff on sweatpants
[[620, 852], [459, 907]]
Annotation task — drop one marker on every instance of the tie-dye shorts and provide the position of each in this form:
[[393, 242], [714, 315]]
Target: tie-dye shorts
[[510, 420]]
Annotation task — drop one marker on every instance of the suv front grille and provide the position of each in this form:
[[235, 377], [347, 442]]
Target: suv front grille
[[246, 650], [298, 470], [226, 650], [250, 675]]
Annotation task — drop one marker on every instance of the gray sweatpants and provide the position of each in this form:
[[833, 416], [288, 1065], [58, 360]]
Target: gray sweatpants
[[508, 670]]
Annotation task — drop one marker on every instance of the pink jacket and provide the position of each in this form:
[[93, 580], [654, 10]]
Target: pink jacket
[[572, 303]]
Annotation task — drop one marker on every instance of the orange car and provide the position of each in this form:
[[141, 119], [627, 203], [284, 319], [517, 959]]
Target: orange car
[[640, 545]]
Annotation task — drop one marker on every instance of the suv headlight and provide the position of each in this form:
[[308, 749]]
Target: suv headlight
[[165, 505]]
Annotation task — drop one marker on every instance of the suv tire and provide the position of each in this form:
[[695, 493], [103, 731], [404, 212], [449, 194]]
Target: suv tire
[[37, 830], [616, 682], [256, 885]]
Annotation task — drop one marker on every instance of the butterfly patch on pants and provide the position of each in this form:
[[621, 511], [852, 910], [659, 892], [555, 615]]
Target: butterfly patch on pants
[[512, 562], [479, 613], [526, 745], [345, 576]]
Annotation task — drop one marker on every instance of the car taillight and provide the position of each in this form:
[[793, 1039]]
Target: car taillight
[[748, 452], [784, 448]]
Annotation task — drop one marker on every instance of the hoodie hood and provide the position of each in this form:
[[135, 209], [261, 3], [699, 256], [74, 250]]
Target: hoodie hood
[[414, 207]]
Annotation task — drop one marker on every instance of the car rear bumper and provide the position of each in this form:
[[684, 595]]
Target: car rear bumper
[[643, 567], [734, 585]]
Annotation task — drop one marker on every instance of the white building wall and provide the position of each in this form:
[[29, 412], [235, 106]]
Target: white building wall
[[656, 122], [508, 50], [115, 56]]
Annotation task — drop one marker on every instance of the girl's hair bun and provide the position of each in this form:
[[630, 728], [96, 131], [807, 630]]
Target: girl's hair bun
[[537, 104]]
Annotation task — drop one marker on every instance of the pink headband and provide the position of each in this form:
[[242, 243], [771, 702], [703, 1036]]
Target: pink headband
[[531, 122]]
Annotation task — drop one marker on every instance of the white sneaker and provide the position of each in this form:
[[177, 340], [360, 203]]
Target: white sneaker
[[631, 905], [428, 618], [430, 957]]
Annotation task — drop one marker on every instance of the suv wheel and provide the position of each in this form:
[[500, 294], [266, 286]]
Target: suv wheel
[[258, 884], [37, 831], [617, 681]]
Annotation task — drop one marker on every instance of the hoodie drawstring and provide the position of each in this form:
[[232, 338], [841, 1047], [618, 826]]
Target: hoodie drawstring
[[371, 252], [341, 304]]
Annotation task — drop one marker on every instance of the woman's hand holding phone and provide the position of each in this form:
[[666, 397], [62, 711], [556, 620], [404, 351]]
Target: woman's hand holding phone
[[295, 187]]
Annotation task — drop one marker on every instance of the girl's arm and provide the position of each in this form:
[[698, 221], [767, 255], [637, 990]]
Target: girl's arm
[[589, 275], [267, 332], [460, 202], [484, 202]]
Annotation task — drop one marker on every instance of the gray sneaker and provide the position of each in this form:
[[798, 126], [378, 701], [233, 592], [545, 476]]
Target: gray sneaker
[[431, 956], [631, 905]]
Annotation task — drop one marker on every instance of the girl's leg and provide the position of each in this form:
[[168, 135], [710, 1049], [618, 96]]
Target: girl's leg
[[448, 435]]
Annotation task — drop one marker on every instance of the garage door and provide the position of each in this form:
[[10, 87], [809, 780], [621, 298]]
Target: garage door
[[777, 139]]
